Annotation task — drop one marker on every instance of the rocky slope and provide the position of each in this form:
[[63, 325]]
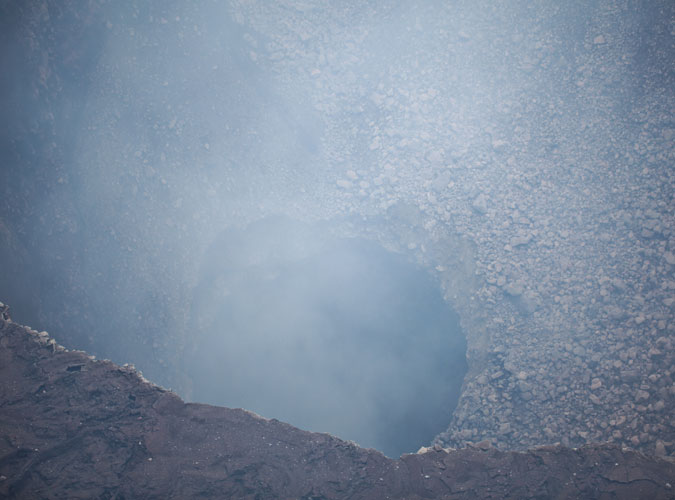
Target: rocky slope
[[73, 427], [521, 152]]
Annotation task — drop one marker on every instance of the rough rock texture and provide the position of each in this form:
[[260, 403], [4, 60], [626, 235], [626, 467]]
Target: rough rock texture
[[528, 164], [73, 427]]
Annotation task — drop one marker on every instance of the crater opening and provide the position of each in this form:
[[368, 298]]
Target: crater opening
[[329, 334]]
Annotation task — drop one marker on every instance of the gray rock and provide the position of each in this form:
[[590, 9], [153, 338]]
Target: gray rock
[[630, 375], [504, 428], [524, 386], [659, 448], [641, 395], [520, 240], [529, 302], [484, 445], [479, 204], [514, 289], [670, 258], [654, 353], [618, 285], [615, 312], [441, 182]]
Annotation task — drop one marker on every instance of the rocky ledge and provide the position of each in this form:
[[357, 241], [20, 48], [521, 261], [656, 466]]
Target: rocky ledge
[[74, 427]]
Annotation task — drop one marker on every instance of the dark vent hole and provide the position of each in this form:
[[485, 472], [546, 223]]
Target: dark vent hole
[[330, 335]]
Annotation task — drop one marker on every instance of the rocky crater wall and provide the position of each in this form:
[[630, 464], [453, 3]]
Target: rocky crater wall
[[527, 164]]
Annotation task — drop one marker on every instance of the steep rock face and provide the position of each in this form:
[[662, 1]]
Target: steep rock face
[[74, 427]]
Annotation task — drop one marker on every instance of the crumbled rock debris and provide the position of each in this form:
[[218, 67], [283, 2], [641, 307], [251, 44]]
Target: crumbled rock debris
[[551, 230]]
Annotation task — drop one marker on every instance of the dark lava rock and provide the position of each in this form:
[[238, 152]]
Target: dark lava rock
[[72, 427]]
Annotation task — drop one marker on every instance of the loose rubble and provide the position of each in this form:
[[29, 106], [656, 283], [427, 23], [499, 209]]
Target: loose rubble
[[534, 181]]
